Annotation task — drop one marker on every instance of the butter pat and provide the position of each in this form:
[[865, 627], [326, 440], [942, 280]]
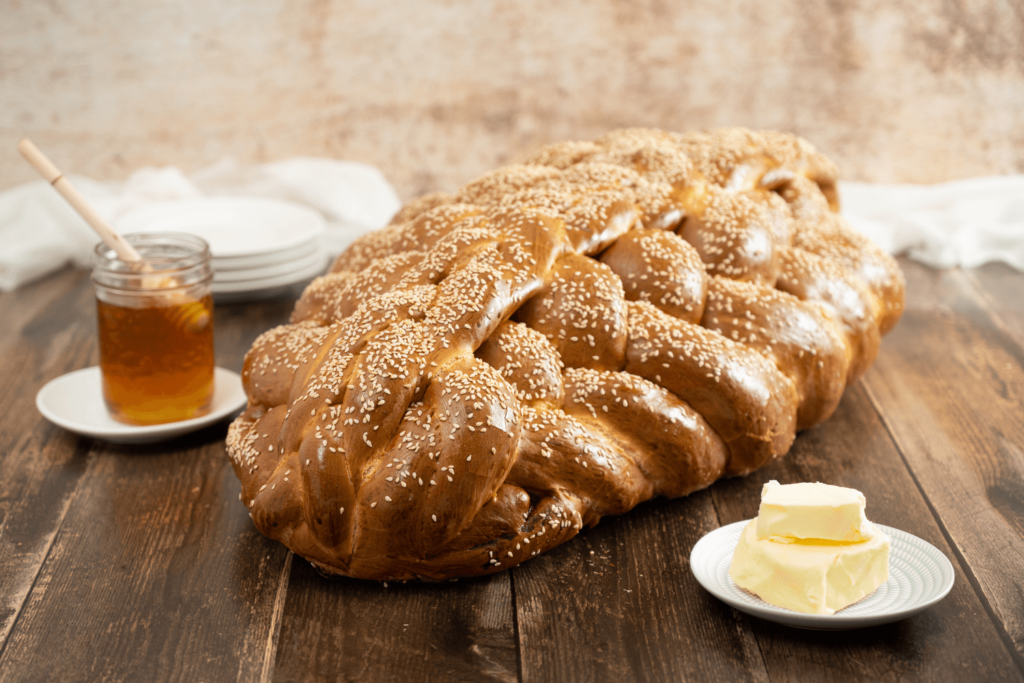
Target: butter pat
[[815, 577], [812, 511]]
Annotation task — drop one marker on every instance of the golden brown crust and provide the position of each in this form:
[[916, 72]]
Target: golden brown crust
[[582, 312], [681, 452], [660, 267], [558, 341], [743, 396], [421, 204], [810, 277], [801, 338], [735, 237], [834, 240], [525, 359]]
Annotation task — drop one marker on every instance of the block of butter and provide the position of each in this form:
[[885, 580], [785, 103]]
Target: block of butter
[[811, 549], [803, 511], [816, 577]]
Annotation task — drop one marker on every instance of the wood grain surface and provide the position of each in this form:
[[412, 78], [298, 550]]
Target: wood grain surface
[[619, 603], [346, 629], [138, 563], [853, 449], [950, 389], [39, 465]]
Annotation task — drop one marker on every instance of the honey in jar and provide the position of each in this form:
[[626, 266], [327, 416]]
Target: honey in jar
[[155, 324]]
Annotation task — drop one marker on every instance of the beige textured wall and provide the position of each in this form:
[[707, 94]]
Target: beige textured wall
[[436, 92]]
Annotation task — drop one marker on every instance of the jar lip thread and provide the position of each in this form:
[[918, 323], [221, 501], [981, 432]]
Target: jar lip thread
[[206, 279], [182, 257], [188, 251]]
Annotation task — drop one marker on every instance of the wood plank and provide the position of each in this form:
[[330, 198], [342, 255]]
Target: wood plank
[[950, 388], [1000, 290], [619, 603], [40, 465], [854, 449], [352, 630], [18, 308], [156, 572]]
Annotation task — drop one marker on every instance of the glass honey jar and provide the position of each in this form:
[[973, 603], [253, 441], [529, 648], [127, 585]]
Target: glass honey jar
[[155, 323]]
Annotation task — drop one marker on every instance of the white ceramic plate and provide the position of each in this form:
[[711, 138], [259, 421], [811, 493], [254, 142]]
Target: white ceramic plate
[[75, 402], [224, 277], [259, 287], [232, 226], [919, 576], [245, 263]]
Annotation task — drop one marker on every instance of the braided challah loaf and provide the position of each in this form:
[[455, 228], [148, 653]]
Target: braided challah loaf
[[558, 341]]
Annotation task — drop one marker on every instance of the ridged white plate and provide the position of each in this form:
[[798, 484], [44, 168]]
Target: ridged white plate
[[919, 576], [234, 264], [259, 288], [314, 258]]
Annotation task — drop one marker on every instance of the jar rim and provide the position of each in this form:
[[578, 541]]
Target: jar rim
[[195, 252], [179, 256]]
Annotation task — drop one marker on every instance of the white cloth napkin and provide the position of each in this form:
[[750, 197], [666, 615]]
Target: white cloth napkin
[[41, 232], [966, 222], [961, 223]]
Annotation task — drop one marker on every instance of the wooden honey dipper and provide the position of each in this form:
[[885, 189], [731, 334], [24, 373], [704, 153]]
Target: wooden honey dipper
[[193, 316]]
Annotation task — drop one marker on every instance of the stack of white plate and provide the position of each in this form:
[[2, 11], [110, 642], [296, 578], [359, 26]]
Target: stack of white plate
[[259, 247]]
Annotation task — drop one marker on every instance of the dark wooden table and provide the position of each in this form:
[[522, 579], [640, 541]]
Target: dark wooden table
[[139, 563]]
